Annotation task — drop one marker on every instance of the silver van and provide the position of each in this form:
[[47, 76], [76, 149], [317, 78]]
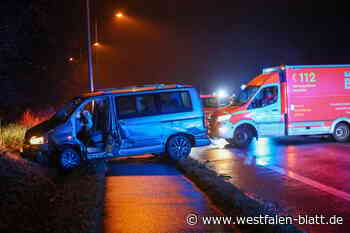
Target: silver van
[[158, 119]]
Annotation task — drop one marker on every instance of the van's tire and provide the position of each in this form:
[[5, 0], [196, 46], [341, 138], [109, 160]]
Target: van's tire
[[68, 159], [341, 132], [178, 147], [242, 136]]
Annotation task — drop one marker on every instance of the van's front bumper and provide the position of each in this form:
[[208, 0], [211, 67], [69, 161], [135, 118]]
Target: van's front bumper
[[33, 152]]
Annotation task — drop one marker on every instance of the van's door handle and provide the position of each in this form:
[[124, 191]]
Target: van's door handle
[[274, 110]]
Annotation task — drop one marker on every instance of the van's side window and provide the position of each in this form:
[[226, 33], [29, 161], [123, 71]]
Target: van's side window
[[172, 102], [152, 104], [136, 105], [126, 106], [267, 96], [146, 104]]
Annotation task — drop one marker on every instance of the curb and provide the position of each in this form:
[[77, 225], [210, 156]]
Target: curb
[[100, 170], [230, 200]]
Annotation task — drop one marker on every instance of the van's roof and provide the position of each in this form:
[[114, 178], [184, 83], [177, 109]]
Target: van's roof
[[150, 87], [282, 67]]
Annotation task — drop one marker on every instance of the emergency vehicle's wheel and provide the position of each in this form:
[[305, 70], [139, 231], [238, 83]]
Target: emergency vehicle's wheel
[[178, 147], [341, 132], [242, 136], [68, 159]]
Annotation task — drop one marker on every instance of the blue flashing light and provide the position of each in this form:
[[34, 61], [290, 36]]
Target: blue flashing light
[[317, 66], [283, 67]]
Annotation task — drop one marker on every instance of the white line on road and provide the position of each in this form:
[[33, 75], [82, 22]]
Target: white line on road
[[315, 184]]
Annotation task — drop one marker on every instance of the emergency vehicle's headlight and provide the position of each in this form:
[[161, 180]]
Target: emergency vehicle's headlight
[[224, 117], [35, 140], [223, 129]]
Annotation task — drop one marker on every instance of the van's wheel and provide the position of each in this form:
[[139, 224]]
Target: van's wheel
[[242, 136], [68, 159], [178, 147], [341, 132]]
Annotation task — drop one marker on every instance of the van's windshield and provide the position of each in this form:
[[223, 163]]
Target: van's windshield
[[246, 94], [63, 114]]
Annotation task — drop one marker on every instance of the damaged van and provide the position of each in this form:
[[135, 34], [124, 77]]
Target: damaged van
[[158, 119]]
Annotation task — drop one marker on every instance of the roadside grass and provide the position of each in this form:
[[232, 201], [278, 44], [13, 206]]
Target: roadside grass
[[34, 199], [12, 135], [38, 199]]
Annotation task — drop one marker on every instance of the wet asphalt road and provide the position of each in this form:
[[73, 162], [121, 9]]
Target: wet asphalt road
[[304, 176], [150, 195]]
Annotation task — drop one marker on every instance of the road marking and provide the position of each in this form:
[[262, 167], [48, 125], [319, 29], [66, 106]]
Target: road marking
[[315, 184]]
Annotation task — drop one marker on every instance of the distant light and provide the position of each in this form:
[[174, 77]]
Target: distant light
[[243, 87], [96, 44], [119, 14], [222, 94], [71, 59]]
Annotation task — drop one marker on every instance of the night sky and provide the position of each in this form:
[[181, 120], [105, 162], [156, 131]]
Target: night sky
[[213, 44], [210, 44]]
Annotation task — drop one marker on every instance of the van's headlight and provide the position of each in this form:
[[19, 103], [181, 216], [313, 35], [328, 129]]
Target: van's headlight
[[224, 117], [35, 140]]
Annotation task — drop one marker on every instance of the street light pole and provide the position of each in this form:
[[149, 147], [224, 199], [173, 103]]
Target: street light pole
[[96, 45], [90, 60]]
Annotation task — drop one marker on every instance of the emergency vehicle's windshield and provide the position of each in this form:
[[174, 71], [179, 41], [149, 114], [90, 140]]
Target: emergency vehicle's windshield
[[246, 94]]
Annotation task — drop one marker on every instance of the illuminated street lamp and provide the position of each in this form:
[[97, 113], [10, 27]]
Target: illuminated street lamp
[[96, 44], [119, 14]]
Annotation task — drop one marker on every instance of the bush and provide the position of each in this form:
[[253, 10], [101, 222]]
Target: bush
[[29, 119], [11, 136]]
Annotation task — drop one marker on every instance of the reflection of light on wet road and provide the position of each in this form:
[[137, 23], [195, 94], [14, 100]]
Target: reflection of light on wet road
[[151, 196], [265, 153], [291, 156], [219, 143], [220, 154], [315, 184], [263, 149]]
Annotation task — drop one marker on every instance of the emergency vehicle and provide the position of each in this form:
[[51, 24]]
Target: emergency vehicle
[[286, 101]]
